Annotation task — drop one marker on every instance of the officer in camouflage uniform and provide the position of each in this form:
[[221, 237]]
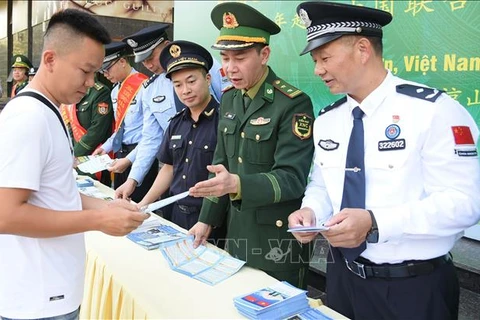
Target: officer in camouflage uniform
[[263, 154]]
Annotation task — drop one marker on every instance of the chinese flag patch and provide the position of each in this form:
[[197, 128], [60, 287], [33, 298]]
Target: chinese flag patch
[[462, 135]]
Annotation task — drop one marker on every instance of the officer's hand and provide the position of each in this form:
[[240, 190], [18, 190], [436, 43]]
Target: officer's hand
[[126, 189], [348, 228], [98, 151], [304, 217], [119, 218], [201, 231], [119, 165], [223, 183]]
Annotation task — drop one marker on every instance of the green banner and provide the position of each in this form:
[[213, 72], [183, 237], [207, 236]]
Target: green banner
[[432, 42]]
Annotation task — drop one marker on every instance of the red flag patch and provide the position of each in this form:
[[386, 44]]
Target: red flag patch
[[222, 72], [462, 135]]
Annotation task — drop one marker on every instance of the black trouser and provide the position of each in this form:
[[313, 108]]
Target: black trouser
[[120, 178], [187, 216], [432, 296]]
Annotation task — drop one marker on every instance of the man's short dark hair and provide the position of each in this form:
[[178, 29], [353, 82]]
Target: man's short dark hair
[[80, 22]]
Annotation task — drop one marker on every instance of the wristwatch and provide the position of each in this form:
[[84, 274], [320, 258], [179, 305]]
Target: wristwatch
[[372, 234]]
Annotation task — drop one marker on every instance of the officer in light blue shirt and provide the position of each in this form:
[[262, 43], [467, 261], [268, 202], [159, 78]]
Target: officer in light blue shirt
[[128, 117], [159, 101]]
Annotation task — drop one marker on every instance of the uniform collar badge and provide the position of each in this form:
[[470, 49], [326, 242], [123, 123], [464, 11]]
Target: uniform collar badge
[[209, 113]]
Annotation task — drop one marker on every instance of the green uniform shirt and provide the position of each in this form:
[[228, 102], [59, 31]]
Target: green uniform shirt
[[270, 147], [95, 114]]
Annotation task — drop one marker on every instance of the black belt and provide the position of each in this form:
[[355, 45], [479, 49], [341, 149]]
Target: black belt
[[187, 209], [127, 148], [367, 269]]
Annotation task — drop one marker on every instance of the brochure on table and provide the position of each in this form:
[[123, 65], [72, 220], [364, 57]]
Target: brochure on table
[[203, 263]]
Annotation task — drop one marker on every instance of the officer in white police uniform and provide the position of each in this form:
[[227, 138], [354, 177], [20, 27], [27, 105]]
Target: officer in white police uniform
[[158, 98], [419, 169]]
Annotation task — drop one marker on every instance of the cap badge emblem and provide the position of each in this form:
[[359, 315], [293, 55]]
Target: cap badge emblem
[[305, 18], [19, 59], [175, 51], [132, 43], [229, 20]]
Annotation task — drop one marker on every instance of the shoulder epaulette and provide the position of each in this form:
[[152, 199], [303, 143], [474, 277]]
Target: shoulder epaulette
[[424, 93], [286, 88], [146, 83], [177, 114], [333, 105], [98, 86], [227, 88]]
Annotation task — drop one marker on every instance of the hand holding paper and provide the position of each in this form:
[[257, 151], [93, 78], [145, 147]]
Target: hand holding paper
[[164, 202]]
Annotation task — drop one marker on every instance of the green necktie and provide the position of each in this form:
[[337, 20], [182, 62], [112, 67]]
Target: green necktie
[[246, 101]]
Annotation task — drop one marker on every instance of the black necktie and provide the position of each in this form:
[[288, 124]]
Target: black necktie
[[354, 184]]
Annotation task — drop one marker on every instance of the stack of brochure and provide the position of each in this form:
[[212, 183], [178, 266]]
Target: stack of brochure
[[278, 301], [209, 265], [152, 233]]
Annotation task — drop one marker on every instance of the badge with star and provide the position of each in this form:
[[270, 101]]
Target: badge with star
[[302, 125]]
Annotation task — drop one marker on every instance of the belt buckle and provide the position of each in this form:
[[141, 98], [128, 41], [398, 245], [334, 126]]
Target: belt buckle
[[360, 268], [183, 208]]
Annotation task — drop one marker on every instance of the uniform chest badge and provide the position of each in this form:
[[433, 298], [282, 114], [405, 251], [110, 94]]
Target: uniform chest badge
[[102, 108], [229, 115], [159, 99], [392, 132], [328, 145], [302, 125], [260, 121]]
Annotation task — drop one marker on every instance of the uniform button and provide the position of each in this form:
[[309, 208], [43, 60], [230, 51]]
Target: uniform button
[[257, 137], [205, 147], [194, 126], [186, 160], [242, 134], [321, 163], [225, 130], [184, 177], [174, 145], [190, 142], [390, 166], [279, 223], [240, 160]]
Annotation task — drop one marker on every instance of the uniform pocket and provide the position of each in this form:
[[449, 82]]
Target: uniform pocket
[[259, 145], [228, 129]]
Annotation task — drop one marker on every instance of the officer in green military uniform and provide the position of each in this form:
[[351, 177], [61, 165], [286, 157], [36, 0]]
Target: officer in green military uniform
[[20, 67], [263, 154], [90, 122]]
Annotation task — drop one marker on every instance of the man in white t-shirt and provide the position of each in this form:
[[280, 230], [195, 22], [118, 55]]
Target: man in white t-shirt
[[42, 251]]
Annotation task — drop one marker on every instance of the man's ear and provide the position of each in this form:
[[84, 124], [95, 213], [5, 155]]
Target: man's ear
[[365, 49], [49, 59], [265, 54]]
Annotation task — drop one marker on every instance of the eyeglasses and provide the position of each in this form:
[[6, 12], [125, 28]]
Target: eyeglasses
[[103, 70]]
